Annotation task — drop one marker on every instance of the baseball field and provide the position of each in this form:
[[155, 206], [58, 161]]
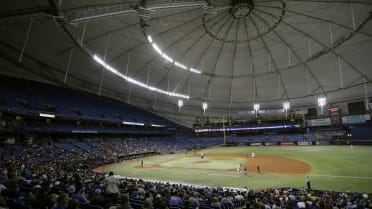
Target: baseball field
[[338, 168]]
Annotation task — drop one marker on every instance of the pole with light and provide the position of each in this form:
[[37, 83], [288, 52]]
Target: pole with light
[[180, 104], [321, 102], [286, 106], [205, 106], [256, 108]]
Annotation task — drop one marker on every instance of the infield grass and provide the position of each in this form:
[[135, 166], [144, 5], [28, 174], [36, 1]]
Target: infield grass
[[338, 168]]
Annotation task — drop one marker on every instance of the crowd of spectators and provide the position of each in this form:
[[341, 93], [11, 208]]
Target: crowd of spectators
[[47, 176]]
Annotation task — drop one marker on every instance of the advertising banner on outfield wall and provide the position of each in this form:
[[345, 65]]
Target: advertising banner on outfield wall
[[319, 122], [287, 143], [355, 119], [256, 144], [303, 143]]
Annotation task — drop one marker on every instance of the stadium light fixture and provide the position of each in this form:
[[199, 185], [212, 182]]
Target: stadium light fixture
[[46, 115], [157, 49], [170, 59], [149, 38], [180, 104], [286, 106], [180, 65], [256, 108], [205, 106], [322, 102], [166, 57], [138, 83], [195, 70], [133, 123]]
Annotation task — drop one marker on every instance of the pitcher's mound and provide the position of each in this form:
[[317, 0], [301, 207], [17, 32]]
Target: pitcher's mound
[[202, 161]]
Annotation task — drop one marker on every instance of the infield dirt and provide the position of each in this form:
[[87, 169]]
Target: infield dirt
[[268, 164]]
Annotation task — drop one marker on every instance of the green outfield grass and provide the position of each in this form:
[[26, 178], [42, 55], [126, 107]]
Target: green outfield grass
[[338, 168]]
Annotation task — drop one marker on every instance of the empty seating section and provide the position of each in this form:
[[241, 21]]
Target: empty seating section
[[67, 147], [33, 97], [84, 147]]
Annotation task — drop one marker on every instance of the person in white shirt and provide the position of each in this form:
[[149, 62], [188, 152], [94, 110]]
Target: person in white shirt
[[111, 184]]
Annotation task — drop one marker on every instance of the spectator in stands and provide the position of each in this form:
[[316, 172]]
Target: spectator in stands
[[98, 198], [147, 204], [216, 203], [111, 184], [73, 204], [226, 201], [175, 199], [62, 202], [124, 203], [79, 196]]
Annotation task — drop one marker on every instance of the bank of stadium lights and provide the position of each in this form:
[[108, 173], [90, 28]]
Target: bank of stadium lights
[[169, 59], [135, 82], [321, 102], [205, 106], [286, 106], [256, 108]]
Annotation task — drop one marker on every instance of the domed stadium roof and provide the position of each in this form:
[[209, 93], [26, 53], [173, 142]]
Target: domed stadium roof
[[229, 54]]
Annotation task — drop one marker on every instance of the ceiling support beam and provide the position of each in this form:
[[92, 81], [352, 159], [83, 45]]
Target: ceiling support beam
[[233, 68], [112, 10], [299, 58], [340, 72], [289, 56], [91, 13], [268, 63], [115, 30], [307, 82], [129, 93], [252, 63], [148, 75], [104, 60], [326, 49], [211, 41], [218, 56], [366, 2], [155, 100], [352, 16], [68, 66], [128, 61], [322, 20], [309, 47], [268, 51], [365, 83], [25, 41], [83, 33], [330, 34]]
